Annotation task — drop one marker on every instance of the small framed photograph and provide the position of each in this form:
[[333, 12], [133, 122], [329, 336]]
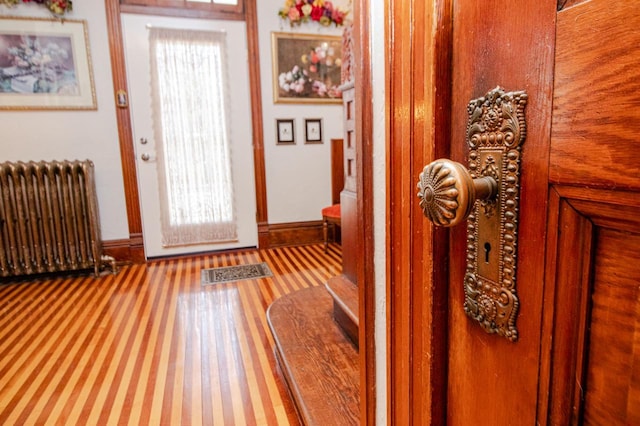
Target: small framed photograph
[[285, 131], [313, 130], [121, 99]]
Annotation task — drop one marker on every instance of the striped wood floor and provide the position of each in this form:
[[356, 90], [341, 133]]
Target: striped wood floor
[[151, 345]]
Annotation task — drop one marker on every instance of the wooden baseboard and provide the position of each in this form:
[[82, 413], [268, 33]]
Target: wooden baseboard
[[129, 250], [274, 235], [295, 233]]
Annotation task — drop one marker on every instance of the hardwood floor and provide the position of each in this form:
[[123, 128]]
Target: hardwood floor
[[150, 344]]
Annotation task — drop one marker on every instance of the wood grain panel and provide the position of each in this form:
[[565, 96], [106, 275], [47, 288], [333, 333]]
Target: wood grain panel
[[151, 345], [566, 309], [596, 95], [592, 318], [319, 363], [295, 233], [613, 328], [511, 45]]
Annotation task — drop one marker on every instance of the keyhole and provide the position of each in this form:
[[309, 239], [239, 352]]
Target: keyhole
[[487, 249]]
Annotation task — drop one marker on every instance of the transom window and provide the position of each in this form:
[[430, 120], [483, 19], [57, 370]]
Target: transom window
[[234, 2], [213, 9]]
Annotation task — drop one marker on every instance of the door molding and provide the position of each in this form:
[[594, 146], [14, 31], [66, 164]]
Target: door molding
[[364, 211], [419, 123], [125, 133]]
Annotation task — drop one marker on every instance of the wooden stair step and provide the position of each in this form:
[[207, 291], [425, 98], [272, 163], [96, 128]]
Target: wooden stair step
[[345, 304], [319, 363]]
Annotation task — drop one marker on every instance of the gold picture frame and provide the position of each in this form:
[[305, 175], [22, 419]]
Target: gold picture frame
[[45, 64], [306, 68]]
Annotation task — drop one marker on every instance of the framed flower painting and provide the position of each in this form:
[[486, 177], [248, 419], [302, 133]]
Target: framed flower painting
[[306, 68], [45, 65]]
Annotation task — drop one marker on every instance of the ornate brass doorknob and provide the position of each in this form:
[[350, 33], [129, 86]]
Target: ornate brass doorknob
[[447, 192]]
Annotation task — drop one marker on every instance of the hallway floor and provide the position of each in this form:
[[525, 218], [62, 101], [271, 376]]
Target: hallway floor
[[150, 344]]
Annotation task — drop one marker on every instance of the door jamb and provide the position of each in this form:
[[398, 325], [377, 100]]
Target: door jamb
[[418, 112], [364, 210]]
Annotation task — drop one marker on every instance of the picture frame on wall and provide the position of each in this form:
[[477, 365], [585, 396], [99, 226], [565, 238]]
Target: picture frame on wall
[[45, 64], [313, 130], [307, 68], [285, 131]]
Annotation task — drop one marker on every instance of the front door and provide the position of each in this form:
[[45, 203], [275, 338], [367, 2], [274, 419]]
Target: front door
[[577, 356], [136, 41]]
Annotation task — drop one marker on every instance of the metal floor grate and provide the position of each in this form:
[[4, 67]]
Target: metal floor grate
[[235, 273]]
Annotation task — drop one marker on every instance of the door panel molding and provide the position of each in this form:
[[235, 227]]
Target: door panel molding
[[578, 217], [567, 278]]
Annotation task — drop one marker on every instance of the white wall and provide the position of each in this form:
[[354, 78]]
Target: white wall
[[59, 135], [298, 176], [378, 61]]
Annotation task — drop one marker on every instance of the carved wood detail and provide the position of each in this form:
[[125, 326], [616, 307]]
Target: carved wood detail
[[348, 60]]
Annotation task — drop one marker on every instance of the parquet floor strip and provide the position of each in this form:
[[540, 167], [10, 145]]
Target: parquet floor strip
[[151, 345]]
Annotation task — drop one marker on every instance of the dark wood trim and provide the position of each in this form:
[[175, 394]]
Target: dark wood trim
[[563, 334], [575, 213], [419, 67], [364, 185], [125, 251], [180, 12], [337, 169], [125, 134], [180, 5], [295, 233], [262, 216]]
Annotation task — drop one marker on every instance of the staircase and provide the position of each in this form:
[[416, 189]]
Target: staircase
[[316, 358]]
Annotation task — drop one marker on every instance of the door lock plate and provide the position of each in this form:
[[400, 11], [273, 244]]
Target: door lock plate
[[495, 133]]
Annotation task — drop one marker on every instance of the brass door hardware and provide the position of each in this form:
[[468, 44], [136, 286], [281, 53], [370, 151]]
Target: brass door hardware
[[487, 195]]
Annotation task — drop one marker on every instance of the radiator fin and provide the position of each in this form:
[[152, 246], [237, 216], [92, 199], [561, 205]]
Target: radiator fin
[[48, 218]]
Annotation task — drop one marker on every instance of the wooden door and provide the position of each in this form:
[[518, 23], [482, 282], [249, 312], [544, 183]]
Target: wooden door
[[577, 359]]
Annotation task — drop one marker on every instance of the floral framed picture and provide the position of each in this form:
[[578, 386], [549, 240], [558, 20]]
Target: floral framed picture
[[45, 64], [306, 68]]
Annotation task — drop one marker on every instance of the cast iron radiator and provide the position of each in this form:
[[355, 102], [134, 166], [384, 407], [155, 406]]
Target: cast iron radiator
[[49, 218]]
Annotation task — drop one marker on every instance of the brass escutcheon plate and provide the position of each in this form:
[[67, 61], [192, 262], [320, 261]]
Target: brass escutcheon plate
[[495, 133]]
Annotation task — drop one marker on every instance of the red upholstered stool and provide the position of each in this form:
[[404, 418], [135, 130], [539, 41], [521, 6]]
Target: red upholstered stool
[[330, 215]]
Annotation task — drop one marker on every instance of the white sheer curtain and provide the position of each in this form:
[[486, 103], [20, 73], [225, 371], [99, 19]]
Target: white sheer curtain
[[190, 109]]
